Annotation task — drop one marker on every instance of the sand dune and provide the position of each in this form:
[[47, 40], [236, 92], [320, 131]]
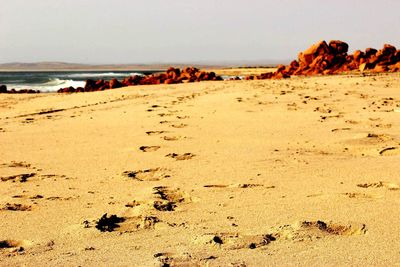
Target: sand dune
[[302, 171]]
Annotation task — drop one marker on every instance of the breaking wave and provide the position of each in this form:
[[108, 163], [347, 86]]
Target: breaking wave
[[51, 81], [105, 74], [51, 86]]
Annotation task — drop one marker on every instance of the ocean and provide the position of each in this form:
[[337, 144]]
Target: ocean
[[51, 81]]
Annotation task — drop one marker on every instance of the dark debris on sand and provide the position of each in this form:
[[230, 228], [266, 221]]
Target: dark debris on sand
[[108, 224]]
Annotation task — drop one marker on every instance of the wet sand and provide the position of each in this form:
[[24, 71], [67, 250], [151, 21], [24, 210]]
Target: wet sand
[[303, 171]]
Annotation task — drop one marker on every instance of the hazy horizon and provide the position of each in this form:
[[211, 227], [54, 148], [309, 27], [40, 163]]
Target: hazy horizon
[[157, 31], [198, 62]]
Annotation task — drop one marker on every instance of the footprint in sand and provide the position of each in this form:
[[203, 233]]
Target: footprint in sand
[[170, 194], [352, 195], [374, 145], [16, 207], [184, 156], [164, 205], [316, 195], [14, 246], [326, 117], [155, 132], [61, 198], [34, 199], [185, 259], [54, 177], [380, 184], [371, 137], [113, 223], [24, 173], [149, 148], [356, 195], [165, 114], [171, 138], [155, 174], [22, 178], [249, 186], [341, 129], [28, 197], [298, 232], [168, 198], [133, 204], [182, 125], [17, 164], [292, 106], [352, 122], [232, 241], [182, 117], [237, 186], [28, 120]]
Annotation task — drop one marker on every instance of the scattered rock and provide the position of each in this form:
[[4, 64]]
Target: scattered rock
[[3, 90]]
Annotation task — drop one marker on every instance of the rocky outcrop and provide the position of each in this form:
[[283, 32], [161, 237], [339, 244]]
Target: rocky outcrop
[[332, 58], [171, 76], [3, 90]]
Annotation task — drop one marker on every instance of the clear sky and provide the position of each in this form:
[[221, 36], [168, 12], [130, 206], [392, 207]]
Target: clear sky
[[149, 31]]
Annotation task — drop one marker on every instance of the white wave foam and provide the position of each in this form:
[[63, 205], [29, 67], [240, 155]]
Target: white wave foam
[[56, 83], [106, 74], [50, 86]]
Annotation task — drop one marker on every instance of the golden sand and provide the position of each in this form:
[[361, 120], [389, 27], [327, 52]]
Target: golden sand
[[240, 71], [303, 171]]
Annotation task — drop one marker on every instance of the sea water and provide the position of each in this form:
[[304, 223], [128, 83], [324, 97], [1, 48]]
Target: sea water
[[51, 81]]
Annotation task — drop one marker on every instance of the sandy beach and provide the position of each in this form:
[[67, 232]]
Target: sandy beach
[[240, 71], [302, 171]]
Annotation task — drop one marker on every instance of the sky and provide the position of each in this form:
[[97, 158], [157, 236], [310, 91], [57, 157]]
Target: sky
[[162, 31]]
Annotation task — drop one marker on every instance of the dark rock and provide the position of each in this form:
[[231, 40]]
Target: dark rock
[[358, 54], [370, 51], [217, 240], [90, 85], [338, 47], [114, 83], [3, 89]]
